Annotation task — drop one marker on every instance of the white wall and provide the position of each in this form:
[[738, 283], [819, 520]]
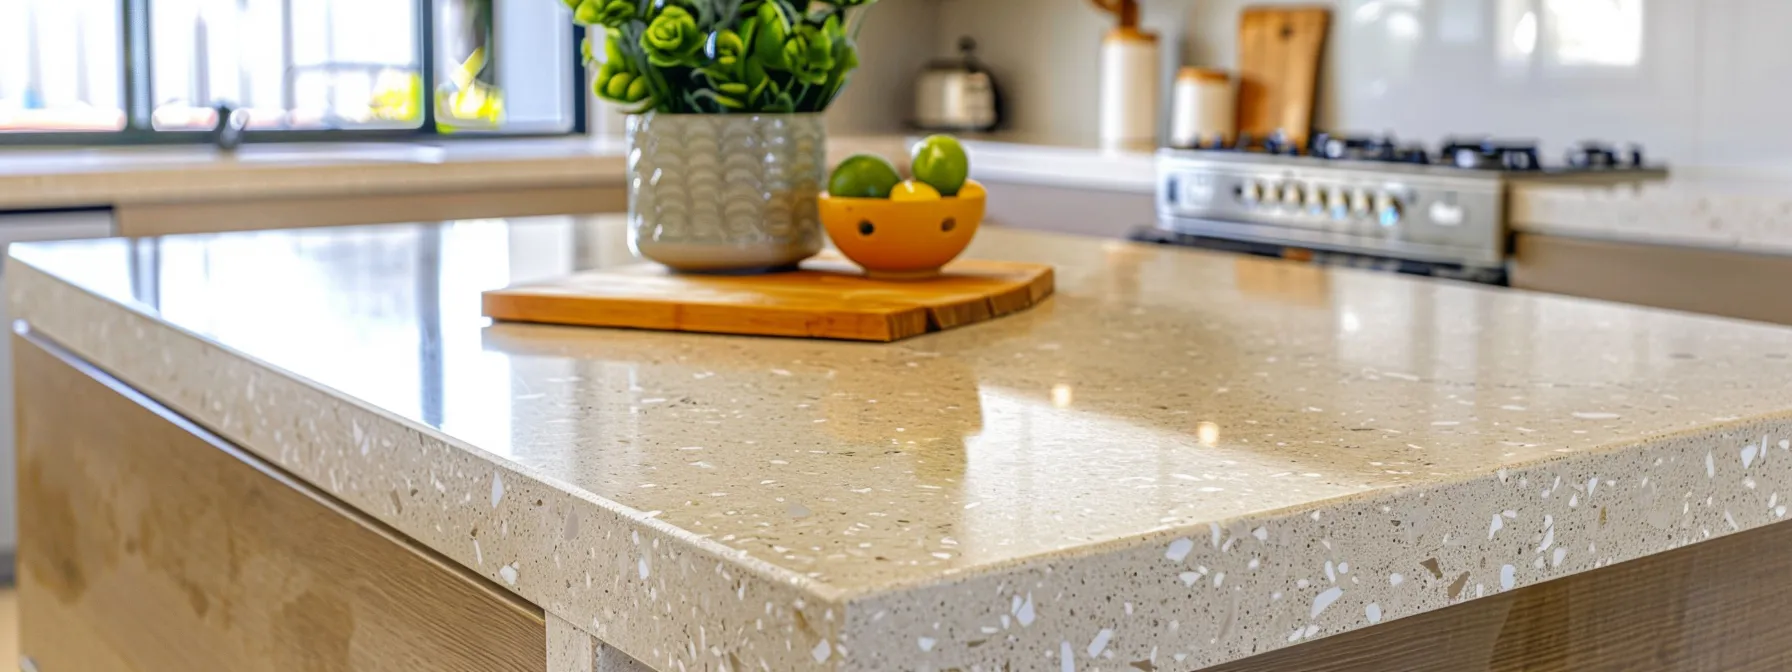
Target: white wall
[[894, 46], [1043, 54], [1704, 84]]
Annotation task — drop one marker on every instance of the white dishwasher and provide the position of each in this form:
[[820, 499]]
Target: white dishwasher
[[19, 227]]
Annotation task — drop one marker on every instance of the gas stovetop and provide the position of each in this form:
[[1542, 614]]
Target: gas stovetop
[[1468, 153], [1373, 196]]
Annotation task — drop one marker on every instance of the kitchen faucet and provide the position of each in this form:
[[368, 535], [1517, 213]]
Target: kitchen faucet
[[228, 132]]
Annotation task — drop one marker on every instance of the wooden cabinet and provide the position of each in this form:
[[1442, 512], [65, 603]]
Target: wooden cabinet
[[1714, 282], [148, 545]]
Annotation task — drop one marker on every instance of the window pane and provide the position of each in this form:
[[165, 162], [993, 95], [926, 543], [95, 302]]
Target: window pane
[[60, 66], [504, 66], [294, 64]]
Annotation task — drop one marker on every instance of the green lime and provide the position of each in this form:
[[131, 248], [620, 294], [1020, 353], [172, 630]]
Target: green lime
[[863, 176], [940, 161]]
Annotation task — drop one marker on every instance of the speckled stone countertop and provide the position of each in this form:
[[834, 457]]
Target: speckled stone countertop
[[1740, 210], [1183, 458]]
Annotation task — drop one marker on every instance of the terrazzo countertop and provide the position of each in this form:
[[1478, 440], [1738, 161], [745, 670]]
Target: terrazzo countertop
[[1182, 458], [1726, 209]]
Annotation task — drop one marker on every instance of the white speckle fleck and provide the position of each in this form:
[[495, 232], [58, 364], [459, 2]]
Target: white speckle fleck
[[1179, 549], [641, 567], [478, 555], [1373, 612], [1100, 642], [1597, 416], [1303, 583], [1214, 528], [1253, 564], [1261, 533], [1325, 599], [1731, 520], [508, 573], [1710, 466], [1502, 474], [1748, 455], [1189, 578], [1549, 534], [926, 643], [1573, 500], [1330, 572], [1396, 579], [1311, 630], [822, 651], [497, 489], [1218, 579], [1343, 568], [1508, 577], [1295, 636], [1495, 526], [1555, 559], [1509, 514], [1025, 613], [1592, 484], [1065, 660]]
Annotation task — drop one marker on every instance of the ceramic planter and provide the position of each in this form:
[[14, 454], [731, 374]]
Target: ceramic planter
[[726, 193]]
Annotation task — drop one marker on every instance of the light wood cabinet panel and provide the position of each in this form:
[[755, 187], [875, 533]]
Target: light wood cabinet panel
[[149, 545], [1714, 282]]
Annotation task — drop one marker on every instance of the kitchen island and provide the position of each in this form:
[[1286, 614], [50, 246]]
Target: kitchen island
[[306, 450]]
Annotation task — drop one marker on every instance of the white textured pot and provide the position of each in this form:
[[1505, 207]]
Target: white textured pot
[[725, 192]]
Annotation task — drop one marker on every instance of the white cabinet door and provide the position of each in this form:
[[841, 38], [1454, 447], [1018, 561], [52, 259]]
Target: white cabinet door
[[17, 228]]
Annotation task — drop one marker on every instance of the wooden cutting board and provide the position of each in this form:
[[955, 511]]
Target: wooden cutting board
[[1278, 69], [826, 298]]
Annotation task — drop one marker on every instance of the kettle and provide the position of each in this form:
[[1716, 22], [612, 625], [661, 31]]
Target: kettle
[[958, 95]]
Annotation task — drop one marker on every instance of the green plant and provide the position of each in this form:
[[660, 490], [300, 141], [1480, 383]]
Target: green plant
[[723, 56]]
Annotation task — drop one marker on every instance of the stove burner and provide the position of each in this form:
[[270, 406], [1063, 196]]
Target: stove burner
[[1488, 154], [1595, 155], [1384, 149]]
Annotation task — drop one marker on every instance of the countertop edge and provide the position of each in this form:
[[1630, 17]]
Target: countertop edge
[[596, 161], [1454, 542], [632, 573]]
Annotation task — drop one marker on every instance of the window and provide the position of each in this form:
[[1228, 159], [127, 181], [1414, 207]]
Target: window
[[152, 70], [60, 66]]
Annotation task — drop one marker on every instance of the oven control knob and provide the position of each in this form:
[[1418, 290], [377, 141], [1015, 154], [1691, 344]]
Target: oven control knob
[[1250, 193], [1338, 204], [1315, 201], [1359, 203], [1293, 195], [1388, 210]]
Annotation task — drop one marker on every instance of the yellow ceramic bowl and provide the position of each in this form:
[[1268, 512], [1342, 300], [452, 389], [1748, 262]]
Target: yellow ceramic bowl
[[902, 240]]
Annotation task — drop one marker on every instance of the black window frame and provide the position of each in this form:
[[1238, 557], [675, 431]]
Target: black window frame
[[136, 64]]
